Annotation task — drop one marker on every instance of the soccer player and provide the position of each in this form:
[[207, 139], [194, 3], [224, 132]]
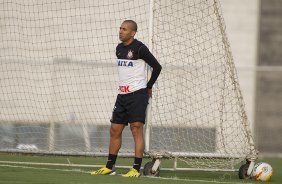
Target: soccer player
[[132, 100]]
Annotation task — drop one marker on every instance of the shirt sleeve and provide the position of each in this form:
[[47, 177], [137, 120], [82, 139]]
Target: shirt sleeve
[[148, 57], [117, 48]]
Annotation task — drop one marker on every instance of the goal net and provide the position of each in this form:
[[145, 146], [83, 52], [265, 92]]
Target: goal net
[[58, 79]]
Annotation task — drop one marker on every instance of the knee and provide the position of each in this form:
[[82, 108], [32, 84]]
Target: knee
[[112, 132], [136, 130], [115, 132]]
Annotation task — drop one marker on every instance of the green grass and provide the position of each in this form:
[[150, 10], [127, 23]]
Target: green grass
[[46, 174]]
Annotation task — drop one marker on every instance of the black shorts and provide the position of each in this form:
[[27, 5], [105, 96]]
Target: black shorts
[[130, 107]]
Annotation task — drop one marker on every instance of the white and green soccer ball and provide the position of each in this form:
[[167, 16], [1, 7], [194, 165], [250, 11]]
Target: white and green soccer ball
[[262, 171]]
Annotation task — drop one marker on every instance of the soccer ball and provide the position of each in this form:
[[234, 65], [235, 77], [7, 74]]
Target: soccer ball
[[262, 171]]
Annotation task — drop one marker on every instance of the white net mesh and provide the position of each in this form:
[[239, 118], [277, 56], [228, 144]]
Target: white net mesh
[[58, 79]]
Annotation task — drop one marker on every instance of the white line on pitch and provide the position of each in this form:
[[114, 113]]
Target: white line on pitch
[[42, 168], [158, 178], [205, 181]]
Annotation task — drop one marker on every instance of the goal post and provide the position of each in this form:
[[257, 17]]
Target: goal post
[[58, 80], [149, 108]]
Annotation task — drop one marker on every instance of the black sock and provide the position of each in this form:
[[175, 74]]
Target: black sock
[[111, 161], [137, 163]]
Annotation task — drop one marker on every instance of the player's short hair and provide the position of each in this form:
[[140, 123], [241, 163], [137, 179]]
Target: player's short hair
[[133, 23]]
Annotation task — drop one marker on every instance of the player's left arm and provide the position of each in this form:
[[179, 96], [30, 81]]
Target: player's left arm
[[148, 57]]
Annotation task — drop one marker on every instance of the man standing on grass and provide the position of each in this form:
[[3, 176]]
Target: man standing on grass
[[132, 100]]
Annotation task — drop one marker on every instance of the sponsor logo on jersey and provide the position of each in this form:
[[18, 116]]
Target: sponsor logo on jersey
[[130, 54], [124, 89], [125, 63]]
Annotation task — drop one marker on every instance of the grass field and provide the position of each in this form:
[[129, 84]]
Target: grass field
[[17, 173]]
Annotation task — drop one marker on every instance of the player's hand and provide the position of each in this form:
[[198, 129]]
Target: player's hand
[[149, 91]]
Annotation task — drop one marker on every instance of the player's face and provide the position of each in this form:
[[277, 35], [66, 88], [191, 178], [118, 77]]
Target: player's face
[[126, 32]]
